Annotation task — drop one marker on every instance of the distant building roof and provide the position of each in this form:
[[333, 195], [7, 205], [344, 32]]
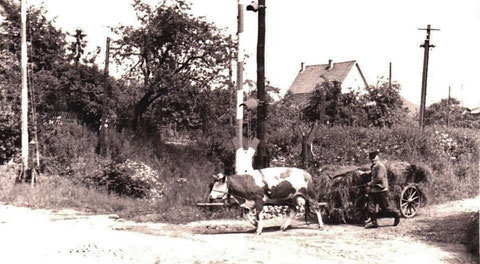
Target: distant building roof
[[475, 110], [309, 77]]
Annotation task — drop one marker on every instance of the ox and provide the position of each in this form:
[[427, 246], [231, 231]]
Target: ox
[[270, 186]]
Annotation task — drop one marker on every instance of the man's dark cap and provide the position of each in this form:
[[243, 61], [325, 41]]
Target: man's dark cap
[[373, 154]]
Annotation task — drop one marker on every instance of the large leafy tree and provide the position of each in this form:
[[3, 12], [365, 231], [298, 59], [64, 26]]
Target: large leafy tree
[[171, 53], [56, 84]]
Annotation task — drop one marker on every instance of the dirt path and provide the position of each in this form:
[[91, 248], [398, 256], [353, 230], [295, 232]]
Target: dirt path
[[43, 236]]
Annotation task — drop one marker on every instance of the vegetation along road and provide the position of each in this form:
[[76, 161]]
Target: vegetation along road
[[436, 235]]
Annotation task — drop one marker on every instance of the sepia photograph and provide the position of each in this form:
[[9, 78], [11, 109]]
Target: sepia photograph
[[239, 131]]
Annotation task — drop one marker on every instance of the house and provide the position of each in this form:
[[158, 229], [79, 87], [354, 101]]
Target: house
[[348, 74]]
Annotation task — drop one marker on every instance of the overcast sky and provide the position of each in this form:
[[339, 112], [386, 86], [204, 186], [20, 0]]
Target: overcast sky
[[372, 32]]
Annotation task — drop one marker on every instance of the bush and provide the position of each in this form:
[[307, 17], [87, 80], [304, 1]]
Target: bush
[[128, 178], [67, 147], [452, 154]]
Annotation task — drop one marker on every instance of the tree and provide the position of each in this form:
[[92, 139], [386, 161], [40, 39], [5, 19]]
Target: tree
[[437, 113], [77, 47], [9, 105], [171, 51], [56, 85], [384, 105], [340, 108]]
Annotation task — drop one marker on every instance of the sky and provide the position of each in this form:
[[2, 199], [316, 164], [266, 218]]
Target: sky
[[375, 33]]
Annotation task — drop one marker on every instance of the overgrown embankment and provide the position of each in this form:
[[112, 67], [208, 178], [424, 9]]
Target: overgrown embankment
[[147, 179]]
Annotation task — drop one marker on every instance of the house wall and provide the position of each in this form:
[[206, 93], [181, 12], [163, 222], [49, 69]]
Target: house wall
[[353, 81]]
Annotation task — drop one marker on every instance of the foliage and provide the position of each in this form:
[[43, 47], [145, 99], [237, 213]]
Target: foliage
[[172, 53], [128, 178], [379, 106], [46, 42], [384, 105], [9, 106], [65, 144], [451, 111], [77, 47]]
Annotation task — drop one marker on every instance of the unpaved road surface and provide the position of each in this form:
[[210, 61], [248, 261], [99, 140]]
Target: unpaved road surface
[[44, 236]]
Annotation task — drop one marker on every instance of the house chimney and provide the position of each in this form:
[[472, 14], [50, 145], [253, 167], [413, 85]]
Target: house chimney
[[302, 66], [330, 64]]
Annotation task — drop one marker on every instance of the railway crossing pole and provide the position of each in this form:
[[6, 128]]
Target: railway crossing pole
[[427, 47], [238, 140]]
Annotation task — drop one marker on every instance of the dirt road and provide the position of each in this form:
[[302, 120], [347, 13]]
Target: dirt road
[[43, 236]]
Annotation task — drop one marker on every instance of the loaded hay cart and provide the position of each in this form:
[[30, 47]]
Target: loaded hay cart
[[344, 190]]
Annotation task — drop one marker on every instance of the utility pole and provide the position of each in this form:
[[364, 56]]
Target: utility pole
[[102, 141], [261, 160], [427, 47], [448, 107], [390, 77], [24, 93]]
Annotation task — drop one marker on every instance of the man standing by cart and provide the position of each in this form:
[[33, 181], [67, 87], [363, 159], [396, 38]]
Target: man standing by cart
[[378, 192]]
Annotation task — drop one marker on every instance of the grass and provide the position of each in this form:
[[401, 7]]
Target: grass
[[58, 193], [185, 172]]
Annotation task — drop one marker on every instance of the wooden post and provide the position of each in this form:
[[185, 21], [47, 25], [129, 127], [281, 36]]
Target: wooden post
[[448, 107], [24, 93], [261, 159], [102, 140], [390, 77]]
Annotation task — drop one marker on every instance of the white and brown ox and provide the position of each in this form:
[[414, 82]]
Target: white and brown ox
[[270, 186]]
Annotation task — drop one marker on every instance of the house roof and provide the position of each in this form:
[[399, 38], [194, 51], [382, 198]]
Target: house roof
[[307, 79], [475, 110]]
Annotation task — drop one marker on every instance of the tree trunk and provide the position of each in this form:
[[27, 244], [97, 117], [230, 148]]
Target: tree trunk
[[140, 108]]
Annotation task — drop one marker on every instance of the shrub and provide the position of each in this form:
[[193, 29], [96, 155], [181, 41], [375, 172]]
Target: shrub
[[66, 147], [451, 153], [129, 178]]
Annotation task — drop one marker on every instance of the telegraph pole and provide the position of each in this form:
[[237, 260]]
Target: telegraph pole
[[102, 143], [448, 107], [24, 93], [390, 77], [261, 158], [427, 47]]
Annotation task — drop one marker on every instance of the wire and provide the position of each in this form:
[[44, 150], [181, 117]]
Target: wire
[[33, 101]]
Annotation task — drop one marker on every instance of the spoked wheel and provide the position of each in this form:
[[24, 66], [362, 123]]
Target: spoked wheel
[[409, 201]]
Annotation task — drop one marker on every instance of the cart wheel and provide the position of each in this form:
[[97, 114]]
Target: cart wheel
[[409, 201]]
